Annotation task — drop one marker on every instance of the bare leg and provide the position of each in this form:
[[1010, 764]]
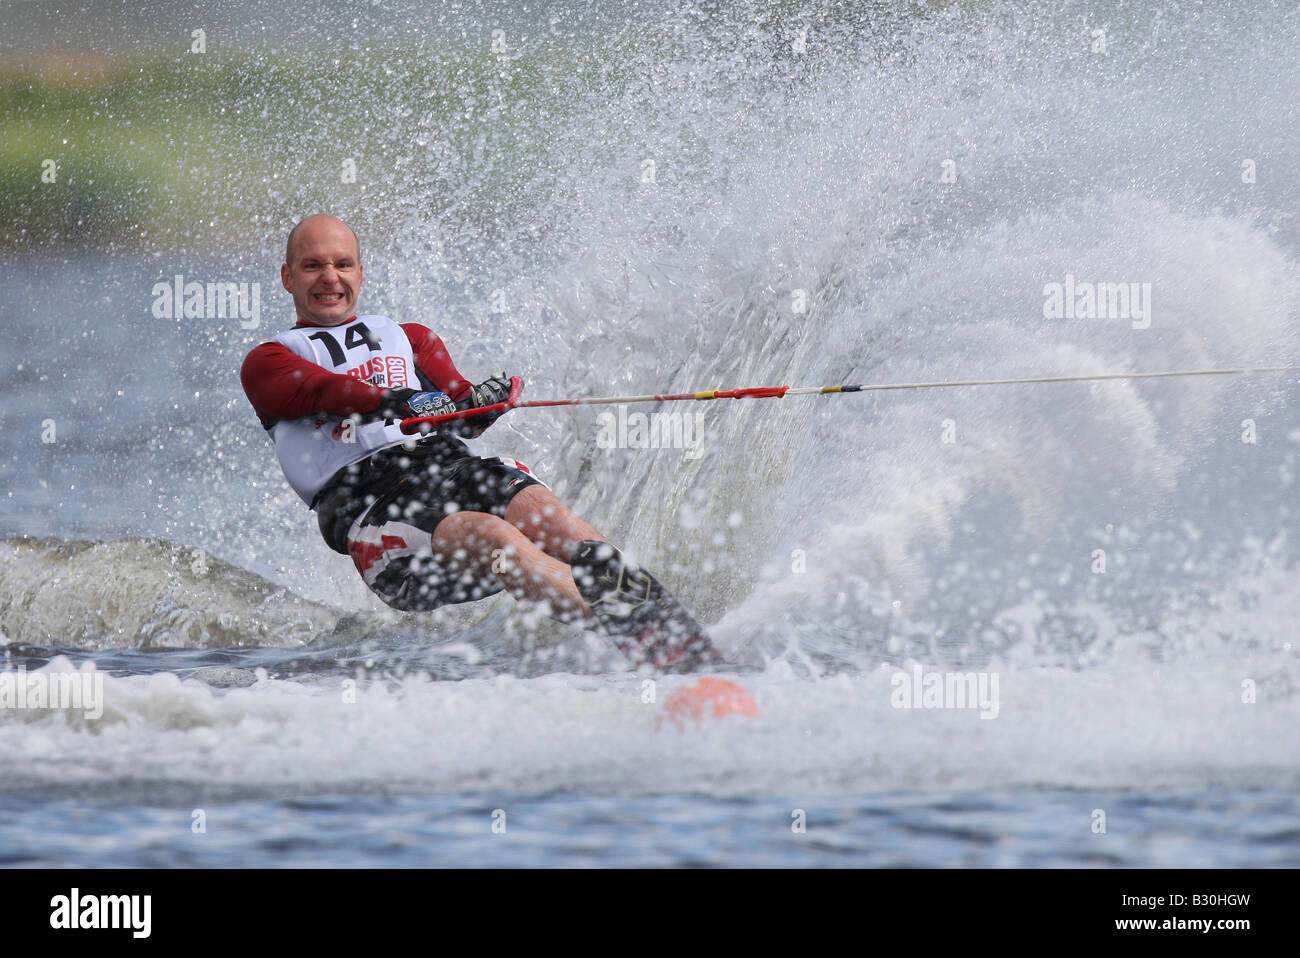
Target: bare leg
[[487, 546], [548, 523]]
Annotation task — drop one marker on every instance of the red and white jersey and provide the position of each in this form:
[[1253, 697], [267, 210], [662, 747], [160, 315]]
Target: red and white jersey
[[306, 408]]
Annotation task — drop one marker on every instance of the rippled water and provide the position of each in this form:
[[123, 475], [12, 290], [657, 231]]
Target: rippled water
[[939, 828]]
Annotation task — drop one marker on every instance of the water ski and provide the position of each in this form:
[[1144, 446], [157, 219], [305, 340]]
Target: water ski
[[642, 618]]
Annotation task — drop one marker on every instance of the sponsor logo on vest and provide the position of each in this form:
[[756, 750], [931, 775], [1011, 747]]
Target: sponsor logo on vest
[[388, 371], [195, 300]]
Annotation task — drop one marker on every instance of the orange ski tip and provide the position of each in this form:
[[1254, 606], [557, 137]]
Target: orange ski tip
[[710, 697]]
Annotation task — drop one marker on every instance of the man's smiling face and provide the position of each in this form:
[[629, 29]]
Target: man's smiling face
[[322, 271]]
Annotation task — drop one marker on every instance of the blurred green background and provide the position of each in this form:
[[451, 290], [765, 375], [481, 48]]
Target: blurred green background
[[204, 151]]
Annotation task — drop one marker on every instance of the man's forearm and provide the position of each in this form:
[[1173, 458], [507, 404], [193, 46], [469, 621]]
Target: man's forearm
[[282, 385]]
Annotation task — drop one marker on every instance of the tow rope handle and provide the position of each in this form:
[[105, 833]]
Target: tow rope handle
[[414, 425]]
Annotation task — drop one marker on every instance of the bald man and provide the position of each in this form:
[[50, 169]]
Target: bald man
[[425, 521]]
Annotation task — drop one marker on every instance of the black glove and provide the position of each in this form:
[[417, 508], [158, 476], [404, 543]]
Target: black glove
[[411, 403], [487, 393]]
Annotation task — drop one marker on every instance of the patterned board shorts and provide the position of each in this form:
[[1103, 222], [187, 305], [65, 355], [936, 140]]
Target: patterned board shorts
[[401, 499]]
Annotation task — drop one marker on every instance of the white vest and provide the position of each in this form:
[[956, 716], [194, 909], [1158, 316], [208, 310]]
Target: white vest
[[370, 348]]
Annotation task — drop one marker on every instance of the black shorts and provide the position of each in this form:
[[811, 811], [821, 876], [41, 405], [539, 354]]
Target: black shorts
[[383, 512]]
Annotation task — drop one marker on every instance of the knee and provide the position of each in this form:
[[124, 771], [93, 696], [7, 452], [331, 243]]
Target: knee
[[474, 535], [533, 505], [544, 519]]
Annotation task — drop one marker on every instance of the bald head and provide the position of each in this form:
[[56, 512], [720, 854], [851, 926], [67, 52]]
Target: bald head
[[322, 270], [312, 226]]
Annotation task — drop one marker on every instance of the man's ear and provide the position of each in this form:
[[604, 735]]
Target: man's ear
[[284, 277]]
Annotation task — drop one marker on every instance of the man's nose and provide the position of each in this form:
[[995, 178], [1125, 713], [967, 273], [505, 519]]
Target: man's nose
[[329, 274]]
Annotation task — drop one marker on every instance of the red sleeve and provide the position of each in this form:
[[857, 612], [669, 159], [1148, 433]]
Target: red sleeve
[[282, 385], [434, 361]]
